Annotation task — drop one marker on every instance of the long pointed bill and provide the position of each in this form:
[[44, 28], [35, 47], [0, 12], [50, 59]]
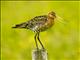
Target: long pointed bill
[[60, 19]]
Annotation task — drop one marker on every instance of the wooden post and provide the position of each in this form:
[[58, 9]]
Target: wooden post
[[39, 54]]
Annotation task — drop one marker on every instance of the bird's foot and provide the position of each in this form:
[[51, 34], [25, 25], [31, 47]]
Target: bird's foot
[[43, 49]]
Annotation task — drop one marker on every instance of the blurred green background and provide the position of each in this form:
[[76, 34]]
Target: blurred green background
[[61, 41]]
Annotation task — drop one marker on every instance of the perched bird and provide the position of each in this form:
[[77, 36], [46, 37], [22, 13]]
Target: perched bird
[[38, 24]]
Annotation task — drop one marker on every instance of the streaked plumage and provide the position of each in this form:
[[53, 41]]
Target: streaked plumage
[[38, 23]]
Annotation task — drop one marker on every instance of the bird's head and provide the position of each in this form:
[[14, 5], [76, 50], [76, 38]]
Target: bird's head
[[52, 15]]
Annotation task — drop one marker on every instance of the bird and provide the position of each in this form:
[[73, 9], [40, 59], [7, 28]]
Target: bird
[[38, 24]]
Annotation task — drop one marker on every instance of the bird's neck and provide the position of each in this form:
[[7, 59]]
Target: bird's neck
[[50, 18], [50, 21]]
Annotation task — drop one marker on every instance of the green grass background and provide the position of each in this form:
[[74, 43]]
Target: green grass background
[[61, 41]]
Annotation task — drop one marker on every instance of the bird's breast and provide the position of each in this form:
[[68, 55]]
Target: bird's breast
[[43, 26], [49, 22]]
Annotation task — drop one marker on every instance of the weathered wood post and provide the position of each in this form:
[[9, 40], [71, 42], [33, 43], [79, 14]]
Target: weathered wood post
[[40, 54]]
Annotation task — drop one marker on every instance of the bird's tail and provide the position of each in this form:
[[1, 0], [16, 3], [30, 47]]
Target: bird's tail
[[22, 25]]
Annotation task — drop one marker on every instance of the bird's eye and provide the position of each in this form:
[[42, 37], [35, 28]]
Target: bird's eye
[[53, 14]]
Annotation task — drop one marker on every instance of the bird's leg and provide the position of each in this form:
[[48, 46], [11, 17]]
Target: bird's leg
[[40, 41], [36, 41]]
